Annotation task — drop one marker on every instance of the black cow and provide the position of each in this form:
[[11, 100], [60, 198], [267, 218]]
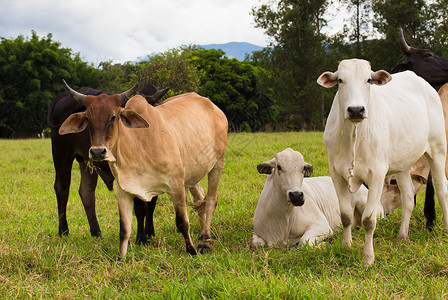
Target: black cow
[[424, 63], [66, 148]]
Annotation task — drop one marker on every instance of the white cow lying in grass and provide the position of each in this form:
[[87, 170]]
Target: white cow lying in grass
[[296, 210]]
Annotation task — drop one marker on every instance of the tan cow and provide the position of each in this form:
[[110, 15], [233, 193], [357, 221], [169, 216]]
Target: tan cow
[[156, 150]]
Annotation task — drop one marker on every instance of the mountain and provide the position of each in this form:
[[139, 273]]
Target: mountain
[[236, 50]]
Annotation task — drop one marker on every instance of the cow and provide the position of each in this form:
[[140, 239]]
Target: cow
[[293, 210], [156, 150], [434, 69], [421, 176], [424, 63], [76, 146], [367, 137]]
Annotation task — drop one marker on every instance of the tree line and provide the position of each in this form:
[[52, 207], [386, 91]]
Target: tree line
[[275, 87]]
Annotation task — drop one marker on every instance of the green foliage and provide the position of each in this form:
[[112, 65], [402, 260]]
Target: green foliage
[[30, 76], [296, 59], [299, 51], [275, 86], [170, 69], [35, 263], [234, 87]]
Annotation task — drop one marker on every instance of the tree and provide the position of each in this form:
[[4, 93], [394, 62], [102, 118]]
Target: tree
[[296, 58], [438, 12], [357, 28], [170, 69], [31, 71], [234, 87]]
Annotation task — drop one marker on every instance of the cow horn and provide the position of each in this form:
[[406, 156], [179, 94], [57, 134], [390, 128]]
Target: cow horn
[[75, 95], [404, 46], [124, 97]]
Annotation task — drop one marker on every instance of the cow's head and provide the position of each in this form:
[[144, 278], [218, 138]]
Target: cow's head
[[391, 196], [422, 62], [288, 170], [101, 116], [354, 78]]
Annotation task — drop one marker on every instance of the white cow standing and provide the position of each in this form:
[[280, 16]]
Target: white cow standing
[[296, 210], [375, 129]]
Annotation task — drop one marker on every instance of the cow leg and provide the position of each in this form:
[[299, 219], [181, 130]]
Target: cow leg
[[438, 175], [211, 200], [199, 204], [149, 224], [316, 234], [125, 211], [404, 182], [62, 189], [87, 188], [182, 222], [430, 206], [345, 206], [140, 214], [144, 212], [63, 161], [369, 216]]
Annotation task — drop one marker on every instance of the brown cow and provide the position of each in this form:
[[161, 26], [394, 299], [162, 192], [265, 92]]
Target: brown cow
[[178, 142], [76, 146]]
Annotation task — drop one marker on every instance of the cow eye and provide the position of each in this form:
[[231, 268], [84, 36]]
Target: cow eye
[[428, 54], [112, 119], [393, 181], [340, 80], [279, 168], [369, 81]]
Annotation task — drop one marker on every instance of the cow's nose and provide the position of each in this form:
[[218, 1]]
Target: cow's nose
[[98, 153], [296, 198], [356, 112]]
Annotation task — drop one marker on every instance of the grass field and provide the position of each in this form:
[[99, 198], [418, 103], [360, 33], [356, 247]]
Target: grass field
[[36, 263]]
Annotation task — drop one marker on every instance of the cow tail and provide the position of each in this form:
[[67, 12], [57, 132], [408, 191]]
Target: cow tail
[[429, 209]]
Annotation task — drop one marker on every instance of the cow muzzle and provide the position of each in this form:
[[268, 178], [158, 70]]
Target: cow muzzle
[[98, 153], [356, 113], [296, 198]]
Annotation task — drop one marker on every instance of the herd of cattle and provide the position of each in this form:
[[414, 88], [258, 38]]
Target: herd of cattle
[[386, 140]]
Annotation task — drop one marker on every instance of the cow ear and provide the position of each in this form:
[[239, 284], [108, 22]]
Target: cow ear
[[419, 178], [381, 77], [328, 79], [75, 123], [308, 170], [266, 167], [131, 119]]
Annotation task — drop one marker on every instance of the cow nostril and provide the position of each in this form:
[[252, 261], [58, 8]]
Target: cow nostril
[[296, 198], [98, 153], [356, 112]]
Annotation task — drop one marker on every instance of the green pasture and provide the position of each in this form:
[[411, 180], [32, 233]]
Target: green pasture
[[36, 263]]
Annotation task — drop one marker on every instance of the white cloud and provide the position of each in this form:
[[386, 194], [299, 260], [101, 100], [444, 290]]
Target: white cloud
[[124, 30]]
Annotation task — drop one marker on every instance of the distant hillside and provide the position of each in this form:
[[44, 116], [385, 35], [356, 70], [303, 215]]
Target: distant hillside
[[236, 50]]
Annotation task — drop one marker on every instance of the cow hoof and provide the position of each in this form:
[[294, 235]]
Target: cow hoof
[[204, 249], [402, 237], [141, 241], [64, 233], [368, 260], [191, 250], [96, 234]]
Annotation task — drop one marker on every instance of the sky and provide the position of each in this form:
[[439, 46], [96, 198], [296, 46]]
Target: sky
[[124, 30]]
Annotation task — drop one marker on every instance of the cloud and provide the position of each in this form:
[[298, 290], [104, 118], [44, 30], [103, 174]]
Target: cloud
[[124, 30]]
